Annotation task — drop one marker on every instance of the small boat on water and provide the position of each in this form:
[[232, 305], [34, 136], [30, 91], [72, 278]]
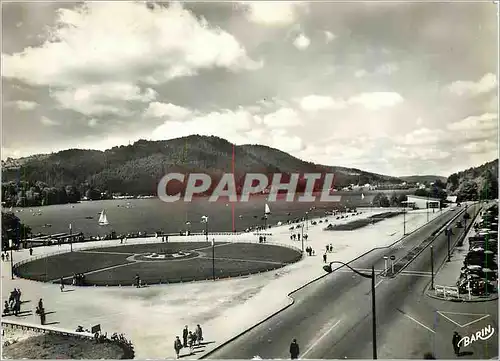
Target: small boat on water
[[103, 219], [89, 217], [267, 210]]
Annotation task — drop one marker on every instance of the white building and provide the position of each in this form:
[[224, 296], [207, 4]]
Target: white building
[[422, 202]]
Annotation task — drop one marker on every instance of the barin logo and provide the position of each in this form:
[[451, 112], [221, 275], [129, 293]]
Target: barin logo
[[483, 335]]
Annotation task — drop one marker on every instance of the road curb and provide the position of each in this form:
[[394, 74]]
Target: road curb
[[460, 300], [430, 293], [292, 301]]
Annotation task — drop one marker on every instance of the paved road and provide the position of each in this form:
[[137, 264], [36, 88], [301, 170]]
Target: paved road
[[332, 317]]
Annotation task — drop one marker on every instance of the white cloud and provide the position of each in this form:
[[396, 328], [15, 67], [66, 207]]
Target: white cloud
[[387, 69], [484, 85], [48, 122], [302, 42], [320, 102], [384, 69], [159, 110], [329, 36], [416, 153], [282, 118], [103, 98], [274, 13], [422, 136], [485, 146], [360, 73], [285, 142], [26, 105], [226, 124], [419, 121], [93, 122], [152, 45], [371, 101], [486, 121], [377, 100]]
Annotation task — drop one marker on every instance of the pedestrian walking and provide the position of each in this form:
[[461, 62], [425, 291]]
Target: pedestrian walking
[[199, 334], [137, 281], [31, 251], [3, 257], [324, 257], [190, 342], [177, 346], [62, 284], [294, 349], [185, 334], [455, 340]]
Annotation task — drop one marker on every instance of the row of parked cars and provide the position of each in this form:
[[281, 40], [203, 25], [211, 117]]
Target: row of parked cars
[[479, 272]]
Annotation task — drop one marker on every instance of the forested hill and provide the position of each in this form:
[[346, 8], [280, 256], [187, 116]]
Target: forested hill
[[136, 169], [476, 182]]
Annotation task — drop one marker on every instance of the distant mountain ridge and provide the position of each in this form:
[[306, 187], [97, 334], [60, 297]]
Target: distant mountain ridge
[[136, 169], [423, 178]]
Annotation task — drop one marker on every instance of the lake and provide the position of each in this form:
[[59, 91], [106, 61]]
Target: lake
[[150, 215]]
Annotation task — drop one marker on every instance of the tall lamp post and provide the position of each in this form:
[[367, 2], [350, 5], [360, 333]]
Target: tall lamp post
[[302, 238], [307, 221], [328, 268], [427, 209], [204, 219], [11, 244], [70, 238], [432, 267], [404, 222], [448, 236]]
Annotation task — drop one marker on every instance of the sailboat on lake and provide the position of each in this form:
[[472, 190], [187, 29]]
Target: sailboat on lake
[[103, 219], [267, 210]]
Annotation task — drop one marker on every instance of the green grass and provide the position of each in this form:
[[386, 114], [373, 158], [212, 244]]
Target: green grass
[[232, 259]]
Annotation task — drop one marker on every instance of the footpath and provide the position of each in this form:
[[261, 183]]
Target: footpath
[[151, 317], [449, 272]]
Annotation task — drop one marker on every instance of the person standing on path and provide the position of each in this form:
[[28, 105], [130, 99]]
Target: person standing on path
[[324, 257], [455, 340], [177, 346], [62, 284], [294, 349], [185, 334], [199, 334]]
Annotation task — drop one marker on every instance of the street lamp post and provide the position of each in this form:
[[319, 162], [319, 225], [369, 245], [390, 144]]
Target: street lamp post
[[11, 244], [307, 221], [385, 265], [404, 222], [204, 219], [328, 268], [427, 209], [70, 238], [448, 236], [302, 238], [432, 267]]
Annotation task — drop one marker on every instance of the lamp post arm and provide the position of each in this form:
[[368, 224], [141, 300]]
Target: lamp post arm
[[352, 269]]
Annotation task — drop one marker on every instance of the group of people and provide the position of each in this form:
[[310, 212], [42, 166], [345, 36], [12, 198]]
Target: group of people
[[294, 237], [329, 248], [78, 279], [40, 311], [13, 305], [5, 256], [310, 251], [189, 339]]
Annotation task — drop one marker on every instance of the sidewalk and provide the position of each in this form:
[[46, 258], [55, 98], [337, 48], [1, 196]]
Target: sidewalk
[[151, 317], [449, 272]]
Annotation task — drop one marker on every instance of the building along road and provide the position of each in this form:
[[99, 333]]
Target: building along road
[[331, 318]]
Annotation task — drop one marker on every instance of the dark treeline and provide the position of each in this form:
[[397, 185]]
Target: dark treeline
[[136, 169]]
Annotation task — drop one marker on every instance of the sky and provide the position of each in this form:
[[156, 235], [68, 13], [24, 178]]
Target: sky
[[392, 88]]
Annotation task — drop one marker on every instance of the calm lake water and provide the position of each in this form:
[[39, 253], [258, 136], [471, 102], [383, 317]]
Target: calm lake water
[[150, 215]]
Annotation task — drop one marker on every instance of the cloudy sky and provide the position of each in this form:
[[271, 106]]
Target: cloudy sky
[[393, 88]]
